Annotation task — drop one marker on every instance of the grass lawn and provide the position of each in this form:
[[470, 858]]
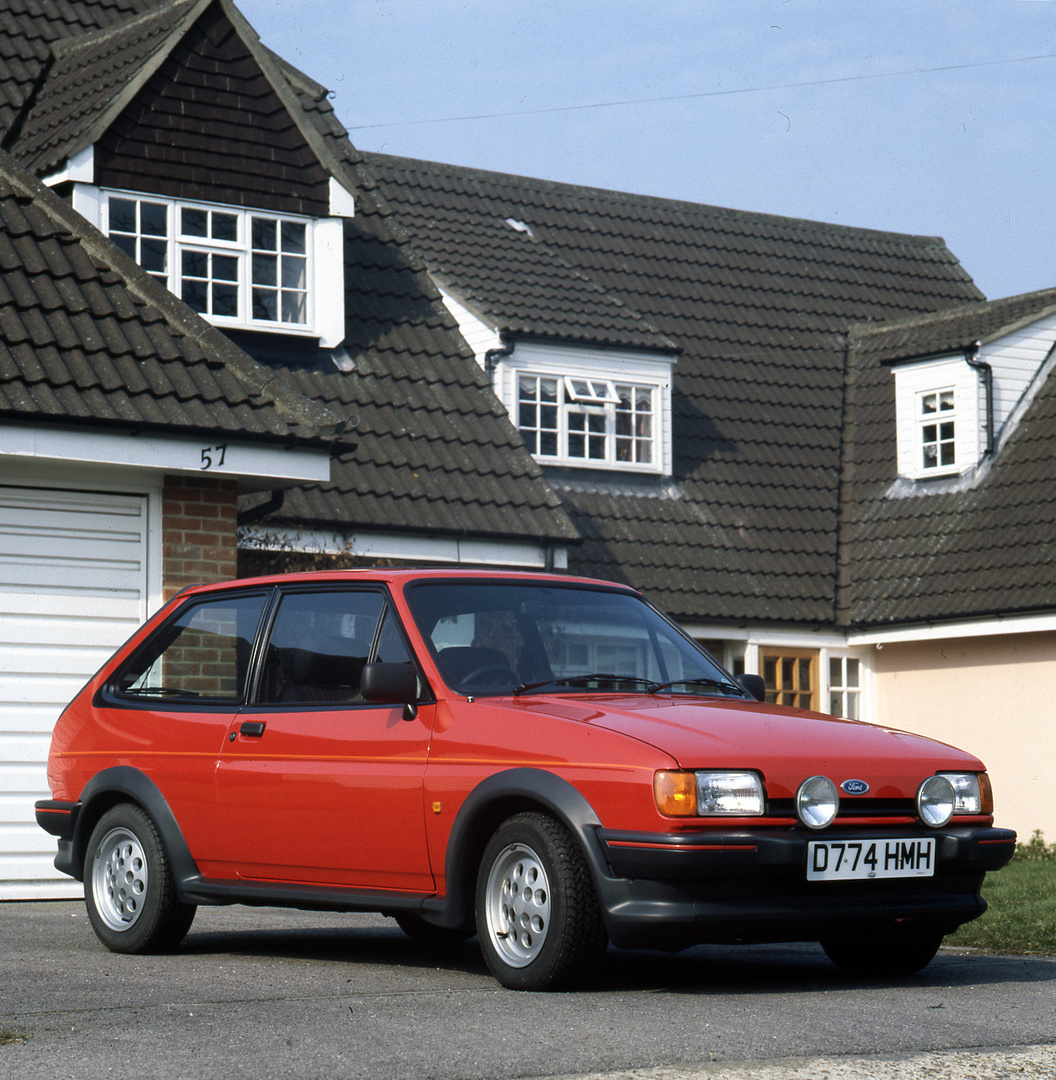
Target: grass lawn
[[1022, 898]]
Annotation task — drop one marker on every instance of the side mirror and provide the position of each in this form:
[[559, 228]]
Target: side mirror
[[754, 685], [395, 684]]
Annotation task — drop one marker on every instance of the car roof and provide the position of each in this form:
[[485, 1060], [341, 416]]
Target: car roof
[[401, 576]]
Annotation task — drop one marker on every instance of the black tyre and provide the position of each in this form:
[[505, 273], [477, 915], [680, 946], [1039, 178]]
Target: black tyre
[[883, 956], [128, 886], [537, 913], [426, 933]]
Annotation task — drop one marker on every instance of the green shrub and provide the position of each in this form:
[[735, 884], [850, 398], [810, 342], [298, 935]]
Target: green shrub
[[1035, 849]]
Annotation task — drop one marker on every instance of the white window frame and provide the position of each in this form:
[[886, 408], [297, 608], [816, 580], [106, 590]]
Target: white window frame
[[588, 385], [915, 383], [324, 277], [937, 425]]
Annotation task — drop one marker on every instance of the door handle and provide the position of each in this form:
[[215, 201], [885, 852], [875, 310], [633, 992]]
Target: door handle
[[252, 729]]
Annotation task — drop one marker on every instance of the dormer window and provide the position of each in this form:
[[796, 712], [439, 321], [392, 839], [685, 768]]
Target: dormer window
[[938, 429], [587, 421], [239, 268], [939, 414]]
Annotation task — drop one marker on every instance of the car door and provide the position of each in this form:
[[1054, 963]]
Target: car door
[[315, 785]]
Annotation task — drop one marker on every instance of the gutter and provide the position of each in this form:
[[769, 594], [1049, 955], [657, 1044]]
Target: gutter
[[492, 356], [971, 357]]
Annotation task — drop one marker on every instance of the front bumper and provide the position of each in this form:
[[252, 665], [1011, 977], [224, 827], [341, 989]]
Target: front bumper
[[674, 891]]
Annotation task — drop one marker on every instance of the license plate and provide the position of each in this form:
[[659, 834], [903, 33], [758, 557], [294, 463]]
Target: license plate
[[861, 860]]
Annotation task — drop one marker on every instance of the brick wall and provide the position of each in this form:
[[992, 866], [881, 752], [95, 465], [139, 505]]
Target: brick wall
[[199, 534]]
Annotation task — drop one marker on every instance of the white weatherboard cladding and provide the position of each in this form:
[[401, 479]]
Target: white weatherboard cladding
[[73, 587]]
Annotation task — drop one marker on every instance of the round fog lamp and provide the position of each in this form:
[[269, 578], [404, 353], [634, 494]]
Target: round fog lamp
[[936, 801], [817, 802]]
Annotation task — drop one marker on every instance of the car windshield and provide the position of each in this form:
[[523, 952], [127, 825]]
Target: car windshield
[[524, 637]]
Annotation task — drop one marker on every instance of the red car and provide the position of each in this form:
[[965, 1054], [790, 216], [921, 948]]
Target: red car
[[545, 761]]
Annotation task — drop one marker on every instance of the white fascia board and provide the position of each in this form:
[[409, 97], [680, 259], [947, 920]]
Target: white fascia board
[[80, 169], [1009, 624], [207, 455], [406, 548], [342, 201], [769, 639]]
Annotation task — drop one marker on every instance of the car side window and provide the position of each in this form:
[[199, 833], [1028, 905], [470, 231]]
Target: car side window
[[201, 655], [318, 646]]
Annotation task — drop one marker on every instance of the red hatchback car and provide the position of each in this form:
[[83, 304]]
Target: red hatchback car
[[545, 761]]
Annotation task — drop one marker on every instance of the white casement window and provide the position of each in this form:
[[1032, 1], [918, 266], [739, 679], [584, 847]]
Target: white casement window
[[590, 421], [936, 416], [845, 687], [236, 267]]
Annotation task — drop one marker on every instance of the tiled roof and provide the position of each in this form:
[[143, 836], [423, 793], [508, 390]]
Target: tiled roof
[[89, 72], [29, 28], [758, 305], [945, 550], [86, 337], [436, 454]]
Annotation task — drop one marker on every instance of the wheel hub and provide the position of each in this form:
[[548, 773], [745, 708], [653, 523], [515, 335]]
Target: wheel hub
[[518, 905], [119, 879]]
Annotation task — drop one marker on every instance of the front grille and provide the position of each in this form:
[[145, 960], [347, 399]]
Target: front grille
[[853, 808]]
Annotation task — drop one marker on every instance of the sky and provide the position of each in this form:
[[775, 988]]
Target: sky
[[929, 117]]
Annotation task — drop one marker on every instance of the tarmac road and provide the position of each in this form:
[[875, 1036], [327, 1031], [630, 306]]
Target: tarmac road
[[263, 993]]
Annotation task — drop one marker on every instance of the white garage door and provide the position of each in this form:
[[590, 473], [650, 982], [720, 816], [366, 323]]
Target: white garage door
[[73, 586]]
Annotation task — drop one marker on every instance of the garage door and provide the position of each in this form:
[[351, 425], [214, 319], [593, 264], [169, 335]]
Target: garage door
[[73, 586]]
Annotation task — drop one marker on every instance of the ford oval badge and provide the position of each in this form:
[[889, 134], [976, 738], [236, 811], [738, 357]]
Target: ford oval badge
[[855, 787]]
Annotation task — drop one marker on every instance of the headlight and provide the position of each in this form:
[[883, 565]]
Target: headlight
[[817, 802], [936, 800], [708, 794], [972, 793]]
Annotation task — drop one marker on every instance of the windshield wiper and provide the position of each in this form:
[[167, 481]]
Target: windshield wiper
[[718, 684], [573, 680]]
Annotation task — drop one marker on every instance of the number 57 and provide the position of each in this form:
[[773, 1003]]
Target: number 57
[[213, 456]]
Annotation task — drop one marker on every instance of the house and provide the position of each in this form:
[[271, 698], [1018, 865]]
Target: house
[[841, 474], [129, 428], [253, 306], [694, 400]]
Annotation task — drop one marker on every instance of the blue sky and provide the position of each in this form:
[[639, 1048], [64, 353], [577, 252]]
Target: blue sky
[[933, 117]]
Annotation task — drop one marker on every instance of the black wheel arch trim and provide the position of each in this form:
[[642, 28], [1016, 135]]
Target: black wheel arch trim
[[122, 783], [487, 805]]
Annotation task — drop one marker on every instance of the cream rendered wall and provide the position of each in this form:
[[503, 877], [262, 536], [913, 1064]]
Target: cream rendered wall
[[992, 696]]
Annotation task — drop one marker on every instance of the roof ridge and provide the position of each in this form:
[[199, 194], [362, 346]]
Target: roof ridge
[[63, 46]]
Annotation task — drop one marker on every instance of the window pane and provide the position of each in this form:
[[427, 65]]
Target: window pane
[[194, 222], [154, 255], [835, 672], [946, 400], [195, 264], [204, 655], [127, 244], [265, 269], [154, 219], [225, 227], [225, 267], [928, 403], [265, 234], [195, 294], [293, 307], [294, 273], [318, 647], [294, 237], [852, 672], [123, 215], [266, 305], [225, 300]]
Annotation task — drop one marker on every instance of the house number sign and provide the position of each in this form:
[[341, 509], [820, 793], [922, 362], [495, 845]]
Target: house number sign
[[213, 457]]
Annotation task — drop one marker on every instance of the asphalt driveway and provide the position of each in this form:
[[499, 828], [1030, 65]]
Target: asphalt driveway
[[260, 993]]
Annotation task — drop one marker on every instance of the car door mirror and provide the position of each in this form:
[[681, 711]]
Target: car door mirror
[[394, 683], [754, 685]]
